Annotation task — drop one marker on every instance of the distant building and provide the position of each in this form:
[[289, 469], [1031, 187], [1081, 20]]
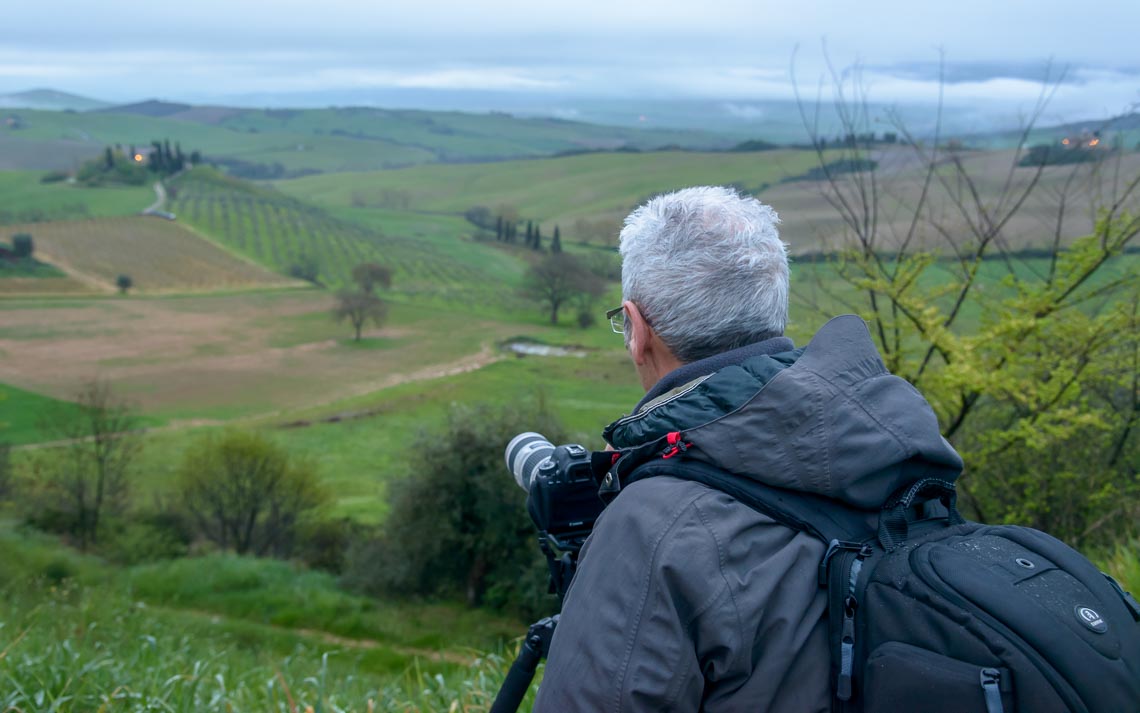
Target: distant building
[[1085, 139]]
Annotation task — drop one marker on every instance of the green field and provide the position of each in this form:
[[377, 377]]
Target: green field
[[24, 199], [21, 412]]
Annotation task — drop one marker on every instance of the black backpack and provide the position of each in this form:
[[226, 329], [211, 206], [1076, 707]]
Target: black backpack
[[932, 613]]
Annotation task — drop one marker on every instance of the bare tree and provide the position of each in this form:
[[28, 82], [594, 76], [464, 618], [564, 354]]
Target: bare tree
[[88, 475], [559, 279], [358, 308]]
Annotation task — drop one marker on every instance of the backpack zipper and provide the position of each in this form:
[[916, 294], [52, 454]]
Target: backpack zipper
[[843, 687]]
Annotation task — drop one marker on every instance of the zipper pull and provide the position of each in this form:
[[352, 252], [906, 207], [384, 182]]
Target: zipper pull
[[847, 649], [847, 639], [991, 689]]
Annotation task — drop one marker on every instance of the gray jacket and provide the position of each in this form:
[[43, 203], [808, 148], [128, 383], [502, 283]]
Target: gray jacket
[[687, 600]]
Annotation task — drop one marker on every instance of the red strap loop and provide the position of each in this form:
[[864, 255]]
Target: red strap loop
[[673, 438]]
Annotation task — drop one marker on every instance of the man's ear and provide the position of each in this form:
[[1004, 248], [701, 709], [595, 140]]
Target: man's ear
[[638, 333]]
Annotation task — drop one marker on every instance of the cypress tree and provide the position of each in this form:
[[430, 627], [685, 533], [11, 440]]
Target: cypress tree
[[156, 156], [499, 228], [529, 234], [537, 238], [556, 242], [109, 158]]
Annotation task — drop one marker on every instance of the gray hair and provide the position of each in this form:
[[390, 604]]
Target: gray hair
[[707, 269]]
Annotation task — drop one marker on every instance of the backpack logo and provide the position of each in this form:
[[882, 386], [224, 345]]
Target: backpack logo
[[1091, 619]]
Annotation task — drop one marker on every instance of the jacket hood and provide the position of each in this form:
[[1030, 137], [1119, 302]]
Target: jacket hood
[[827, 419]]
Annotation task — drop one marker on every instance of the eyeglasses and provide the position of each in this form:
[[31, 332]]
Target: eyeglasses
[[616, 316]]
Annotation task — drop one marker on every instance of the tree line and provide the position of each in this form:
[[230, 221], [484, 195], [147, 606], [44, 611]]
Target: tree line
[[508, 227]]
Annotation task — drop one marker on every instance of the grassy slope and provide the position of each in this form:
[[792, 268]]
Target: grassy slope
[[433, 259], [220, 633], [20, 414]]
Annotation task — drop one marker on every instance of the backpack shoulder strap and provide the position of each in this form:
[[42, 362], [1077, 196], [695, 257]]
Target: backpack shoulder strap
[[827, 520]]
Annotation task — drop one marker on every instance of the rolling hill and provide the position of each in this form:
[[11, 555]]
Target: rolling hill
[[290, 236], [278, 142], [50, 99], [586, 196]]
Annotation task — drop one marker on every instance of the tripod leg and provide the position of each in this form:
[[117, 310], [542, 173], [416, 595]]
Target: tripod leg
[[521, 674]]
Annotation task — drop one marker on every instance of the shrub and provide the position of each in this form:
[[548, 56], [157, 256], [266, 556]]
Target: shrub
[[458, 526], [147, 537], [245, 493], [23, 245]]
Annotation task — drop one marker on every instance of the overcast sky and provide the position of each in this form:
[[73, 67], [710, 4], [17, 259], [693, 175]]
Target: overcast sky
[[198, 50]]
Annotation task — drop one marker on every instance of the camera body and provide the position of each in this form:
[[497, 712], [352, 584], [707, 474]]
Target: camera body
[[564, 498], [563, 493]]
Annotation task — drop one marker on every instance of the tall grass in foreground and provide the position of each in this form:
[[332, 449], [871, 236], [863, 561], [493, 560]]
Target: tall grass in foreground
[[64, 647], [1123, 563]]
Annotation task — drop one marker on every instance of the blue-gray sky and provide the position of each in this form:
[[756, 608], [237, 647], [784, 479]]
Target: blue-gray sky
[[210, 50]]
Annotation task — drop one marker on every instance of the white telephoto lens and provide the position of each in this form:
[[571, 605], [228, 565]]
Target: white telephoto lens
[[524, 454]]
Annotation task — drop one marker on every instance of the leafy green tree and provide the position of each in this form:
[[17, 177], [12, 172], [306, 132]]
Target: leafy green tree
[[124, 283], [245, 493], [457, 524], [23, 245]]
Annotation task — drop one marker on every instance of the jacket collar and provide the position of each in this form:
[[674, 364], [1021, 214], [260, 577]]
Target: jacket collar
[[695, 370]]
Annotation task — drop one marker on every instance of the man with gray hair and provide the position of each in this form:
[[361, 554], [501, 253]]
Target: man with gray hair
[[686, 599]]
